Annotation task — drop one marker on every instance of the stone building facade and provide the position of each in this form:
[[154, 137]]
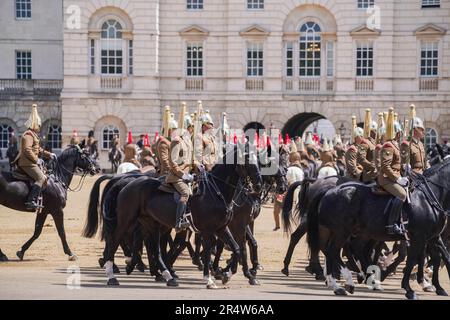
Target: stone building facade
[[285, 63]]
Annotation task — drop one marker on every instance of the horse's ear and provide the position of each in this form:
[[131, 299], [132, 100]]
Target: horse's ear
[[83, 144]]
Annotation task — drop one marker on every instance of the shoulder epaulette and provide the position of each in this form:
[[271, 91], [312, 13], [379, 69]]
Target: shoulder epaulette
[[364, 141], [379, 146], [405, 142], [352, 148], [388, 145]]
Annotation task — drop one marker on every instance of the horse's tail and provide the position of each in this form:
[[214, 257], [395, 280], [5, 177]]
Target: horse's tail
[[93, 216], [287, 206], [302, 204], [313, 222]]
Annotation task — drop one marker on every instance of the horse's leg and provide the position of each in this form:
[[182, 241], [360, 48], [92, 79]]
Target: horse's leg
[[38, 225], [177, 247], [207, 242], [426, 286], [59, 223], [155, 247], [436, 263], [3, 257], [164, 239], [151, 263], [402, 253], [228, 239], [414, 252], [215, 265], [253, 247], [334, 267], [188, 244], [198, 244]]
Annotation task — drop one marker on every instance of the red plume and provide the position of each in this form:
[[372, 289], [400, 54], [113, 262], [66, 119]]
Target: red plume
[[75, 133], [268, 141], [280, 139], [130, 138], [146, 141], [256, 141], [287, 139], [235, 138]]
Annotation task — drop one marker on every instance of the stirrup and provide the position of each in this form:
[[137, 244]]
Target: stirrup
[[395, 230]]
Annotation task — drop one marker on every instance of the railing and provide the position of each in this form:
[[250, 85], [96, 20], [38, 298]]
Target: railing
[[288, 84], [111, 83], [364, 85], [254, 84], [428, 84], [193, 84], [309, 85], [18, 86]]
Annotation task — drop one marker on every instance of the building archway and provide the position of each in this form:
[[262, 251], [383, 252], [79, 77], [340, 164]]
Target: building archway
[[304, 122], [254, 125]]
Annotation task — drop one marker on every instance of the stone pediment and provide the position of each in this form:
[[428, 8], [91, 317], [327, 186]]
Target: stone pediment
[[364, 31], [194, 31], [430, 30], [254, 31]]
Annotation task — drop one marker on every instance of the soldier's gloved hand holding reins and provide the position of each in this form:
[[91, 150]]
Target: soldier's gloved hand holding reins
[[187, 177], [403, 181]]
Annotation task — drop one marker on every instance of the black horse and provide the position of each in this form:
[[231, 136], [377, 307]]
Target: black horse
[[353, 209], [115, 157], [11, 154], [142, 202], [13, 193]]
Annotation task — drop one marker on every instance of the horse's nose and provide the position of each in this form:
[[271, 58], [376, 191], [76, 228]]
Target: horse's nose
[[257, 187]]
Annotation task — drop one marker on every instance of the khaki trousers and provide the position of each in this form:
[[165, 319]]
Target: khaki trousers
[[36, 174], [396, 190]]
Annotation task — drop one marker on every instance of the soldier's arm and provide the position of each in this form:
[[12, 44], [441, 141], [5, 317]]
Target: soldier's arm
[[362, 158], [198, 149], [174, 157], [27, 141], [353, 164], [164, 154], [405, 153], [387, 155]]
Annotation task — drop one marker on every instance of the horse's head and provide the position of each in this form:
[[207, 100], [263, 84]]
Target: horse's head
[[274, 170], [246, 164], [85, 162]]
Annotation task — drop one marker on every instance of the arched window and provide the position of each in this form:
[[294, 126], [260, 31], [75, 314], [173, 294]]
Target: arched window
[[54, 136], [431, 138], [107, 136], [111, 48], [5, 134], [309, 50]]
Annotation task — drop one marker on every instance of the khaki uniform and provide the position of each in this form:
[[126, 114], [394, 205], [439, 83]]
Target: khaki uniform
[[162, 153], [180, 163], [366, 158], [312, 152], [378, 156], [327, 159], [130, 155], [205, 150], [146, 160], [304, 159], [417, 156], [390, 170], [28, 157], [74, 140], [353, 168]]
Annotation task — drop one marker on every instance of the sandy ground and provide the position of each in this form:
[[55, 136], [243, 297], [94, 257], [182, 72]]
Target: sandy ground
[[45, 271]]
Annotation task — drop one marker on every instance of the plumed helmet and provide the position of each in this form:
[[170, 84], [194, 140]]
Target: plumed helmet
[[358, 132], [34, 121], [417, 123]]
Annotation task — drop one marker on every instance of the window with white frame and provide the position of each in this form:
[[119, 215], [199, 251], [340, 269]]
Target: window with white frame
[[111, 48], [429, 59], [23, 64], [255, 59], [92, 55], [255, 4], [364, 4], [194, 4], [431, 3], [108, 134], [364, 59], [309, 50], [130, 57], [431, 138], [330, 58], [54, 137], [23, 9], [289, 59], [194, 60], [5, 134]]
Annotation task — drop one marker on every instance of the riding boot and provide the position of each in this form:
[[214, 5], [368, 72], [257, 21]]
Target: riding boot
[[393, 228], [32, 200], [181, 224]]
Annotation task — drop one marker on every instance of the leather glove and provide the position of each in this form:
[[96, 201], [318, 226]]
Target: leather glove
[[403, 181], [187, 177], [53, 156]]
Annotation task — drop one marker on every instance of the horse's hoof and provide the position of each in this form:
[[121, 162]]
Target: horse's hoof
[[159, 278], [350, 289], [320, 277], [20, 255], [285, 271], [129, 269], [101, 262], [309, 269], [441, 292], [254, 282], [340, 291], [73, 257], [141, 267], [116, 269], [3, 258], [429, 288], [411, 295], [259, 267], [360, 278], [113, 282], [174, 275], [253, 272], [211, 285], [226, 277], [172, 283]]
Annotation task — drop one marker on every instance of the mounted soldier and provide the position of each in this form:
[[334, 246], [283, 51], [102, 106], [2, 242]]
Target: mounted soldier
[[146, 157], [130, 162], [328, 166], [381, 131], [339, 154], [163, 143], [28, 158], [75, 140], [205, 146], [417, 155], [353, 168], [389, 177], [180, 160], [366, 149], [92, 145], [311, 149]]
